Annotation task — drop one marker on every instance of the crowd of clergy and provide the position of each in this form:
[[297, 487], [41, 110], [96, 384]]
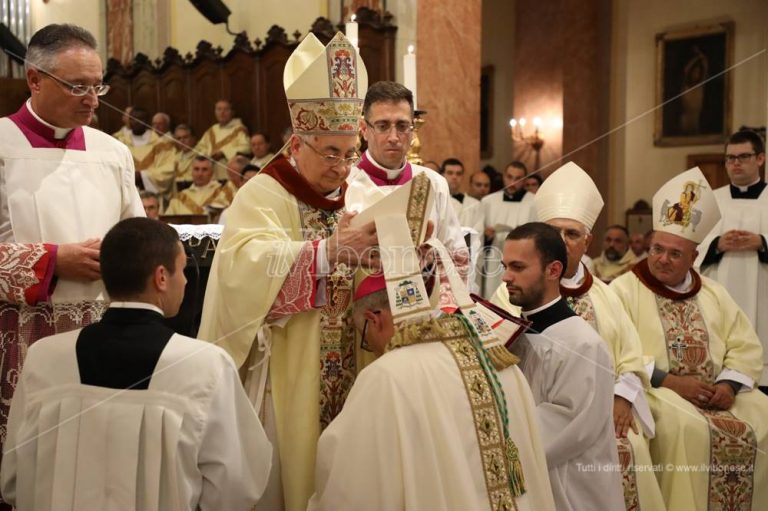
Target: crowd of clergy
[[372, 337]]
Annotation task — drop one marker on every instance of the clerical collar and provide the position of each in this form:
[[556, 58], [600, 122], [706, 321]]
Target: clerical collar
[[515, 197], [141, 140], [281, 170], [136, 305], [643, 272], [751, 191], [459, 197], [392, 174], [684, 286], [58, 133], [547, 315], [576, 280]]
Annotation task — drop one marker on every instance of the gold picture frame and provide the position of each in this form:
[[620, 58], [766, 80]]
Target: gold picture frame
[[694, 85]]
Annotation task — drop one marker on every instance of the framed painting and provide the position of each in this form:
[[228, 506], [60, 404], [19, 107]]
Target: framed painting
[[694, 85]]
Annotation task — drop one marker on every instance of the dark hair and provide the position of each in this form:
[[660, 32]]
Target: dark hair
[[537, 177], [619, 227], [263, 134], [451, 161], [517, 164], [52, 39], [202, 157], [744, 136], [132, 250], [547, 240], [386, 92], [249, 168], [146, 194]]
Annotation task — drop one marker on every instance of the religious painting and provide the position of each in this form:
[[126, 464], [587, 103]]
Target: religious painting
[[694, 85]]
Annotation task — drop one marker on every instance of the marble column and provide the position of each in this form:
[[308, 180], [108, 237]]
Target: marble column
[[448, 74], [120, 30]]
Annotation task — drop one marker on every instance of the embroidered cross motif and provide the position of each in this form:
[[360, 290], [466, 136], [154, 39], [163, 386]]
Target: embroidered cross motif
[[679, 346]]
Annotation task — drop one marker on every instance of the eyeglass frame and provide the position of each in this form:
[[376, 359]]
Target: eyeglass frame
[[730, 159], [363, 343], [565, 237], [380, 131], [658, 251], [332, 160], [99, 90]]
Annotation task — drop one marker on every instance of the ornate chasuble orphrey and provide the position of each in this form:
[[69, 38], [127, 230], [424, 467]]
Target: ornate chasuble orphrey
[[337, 336], [218, 145], [733, 444], [499, 455], [579, 301]]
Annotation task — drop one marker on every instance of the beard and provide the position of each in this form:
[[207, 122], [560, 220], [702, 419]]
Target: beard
[[527, 299], [612, 254]]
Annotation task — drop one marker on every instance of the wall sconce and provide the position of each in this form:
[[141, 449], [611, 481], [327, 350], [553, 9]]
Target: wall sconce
[[534, 140]]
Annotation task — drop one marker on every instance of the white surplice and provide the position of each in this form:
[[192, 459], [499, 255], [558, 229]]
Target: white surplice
[[498, 213], [572, 379], [190, 441], [406, 440], [742, 274]]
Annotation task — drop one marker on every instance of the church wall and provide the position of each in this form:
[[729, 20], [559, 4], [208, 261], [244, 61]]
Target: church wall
[[89, 14], [638, 168], [497, 51]]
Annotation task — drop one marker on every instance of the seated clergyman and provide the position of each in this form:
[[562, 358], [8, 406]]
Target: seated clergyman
[[125, 414], [407, 439]]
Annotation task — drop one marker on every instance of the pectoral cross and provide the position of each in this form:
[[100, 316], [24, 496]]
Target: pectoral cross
[[679, 346]]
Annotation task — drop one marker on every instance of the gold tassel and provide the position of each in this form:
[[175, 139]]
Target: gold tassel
[[516, 477], [501, 358]]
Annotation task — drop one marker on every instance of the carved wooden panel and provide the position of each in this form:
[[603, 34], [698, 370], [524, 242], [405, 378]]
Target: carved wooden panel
[[250, 74]]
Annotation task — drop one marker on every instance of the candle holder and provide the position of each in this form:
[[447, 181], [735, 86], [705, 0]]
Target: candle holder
[[414, 152]]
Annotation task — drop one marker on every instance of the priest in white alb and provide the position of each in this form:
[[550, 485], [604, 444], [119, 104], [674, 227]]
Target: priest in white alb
[[63, 186], [711, 423], [124, 414], [503, 211], [570, 371], [387, 126], [281, 285], [570, 202], [735, 252]]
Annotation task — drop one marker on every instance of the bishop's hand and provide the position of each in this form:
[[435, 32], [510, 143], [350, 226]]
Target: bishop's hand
[[79, 261], [723, 398], [353, 245], [690, 388], [622, 417]]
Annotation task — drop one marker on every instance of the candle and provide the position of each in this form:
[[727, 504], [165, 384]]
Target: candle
[[409, 72], [351, 30]]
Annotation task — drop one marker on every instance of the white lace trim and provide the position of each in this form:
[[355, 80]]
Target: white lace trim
[[188, 231]]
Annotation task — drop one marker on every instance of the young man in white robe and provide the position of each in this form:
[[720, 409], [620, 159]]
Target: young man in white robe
[[64, 185], [427, 424], [125, 414], [387, 127], [570, 202], [503, 211], [281, 284], [735, 253], [711, 425], [570, 373]]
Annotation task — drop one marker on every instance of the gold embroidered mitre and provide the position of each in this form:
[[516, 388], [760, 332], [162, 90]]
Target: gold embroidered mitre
[[686, 206], [325, 86]]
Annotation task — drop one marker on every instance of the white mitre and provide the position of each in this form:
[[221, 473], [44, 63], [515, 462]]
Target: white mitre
[[325, 86], [686, 206], [569, 193]]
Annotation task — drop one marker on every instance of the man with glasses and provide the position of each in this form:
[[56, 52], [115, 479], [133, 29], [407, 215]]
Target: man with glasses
[[64, 185], [387, 127], [570, 202], [281, 283], [735, 253], [711, 425]]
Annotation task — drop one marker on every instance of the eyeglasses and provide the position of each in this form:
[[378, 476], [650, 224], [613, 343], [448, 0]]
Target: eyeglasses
[[77, 89], [571, 234], [743, 158], [657, 251], [332, 160], [384, 127], [363, 343]]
